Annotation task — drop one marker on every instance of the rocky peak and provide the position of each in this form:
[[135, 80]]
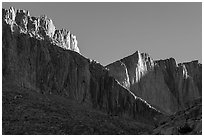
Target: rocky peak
[[66, 40], [163, 83], [167, 63], [8, 15], [41, 27], [144, 61], [131, 69], [46, 26], [32, 60], [192, 66], [141, 67], [194, 70], [148, 60]]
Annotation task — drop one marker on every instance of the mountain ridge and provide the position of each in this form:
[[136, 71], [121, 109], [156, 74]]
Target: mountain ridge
[[37, 56], [42, 65], [41, 27], [139, 69]]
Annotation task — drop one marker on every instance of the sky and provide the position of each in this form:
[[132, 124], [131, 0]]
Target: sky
[[107, 32]]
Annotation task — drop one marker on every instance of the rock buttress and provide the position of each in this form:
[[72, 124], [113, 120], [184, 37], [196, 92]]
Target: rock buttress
[[164, 84]]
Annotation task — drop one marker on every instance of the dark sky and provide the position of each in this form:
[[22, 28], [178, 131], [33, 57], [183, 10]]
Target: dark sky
[[107, 32]]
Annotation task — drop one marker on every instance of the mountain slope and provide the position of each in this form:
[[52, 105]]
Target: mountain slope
[[50, 88], [33, 59], [185, 122], [27, 112], [163, 83]]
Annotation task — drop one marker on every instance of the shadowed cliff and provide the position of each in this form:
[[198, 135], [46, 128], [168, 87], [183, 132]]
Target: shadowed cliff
[[38, 58], [39, 61]]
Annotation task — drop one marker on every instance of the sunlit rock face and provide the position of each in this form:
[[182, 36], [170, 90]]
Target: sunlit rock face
[[165, 84], [35, 56], [181, 81], [194, 70], [41, 27], [66, 40]]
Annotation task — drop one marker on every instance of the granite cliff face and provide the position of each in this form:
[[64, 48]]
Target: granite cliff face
[[39, 57], [165, 84], [20, 21]]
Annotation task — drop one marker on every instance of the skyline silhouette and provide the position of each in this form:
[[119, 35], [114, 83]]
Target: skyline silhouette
[[107, 32]]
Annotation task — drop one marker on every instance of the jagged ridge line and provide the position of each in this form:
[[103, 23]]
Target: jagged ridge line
[[21, 18]]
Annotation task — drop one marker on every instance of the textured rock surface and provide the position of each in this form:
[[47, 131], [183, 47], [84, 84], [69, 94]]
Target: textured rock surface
[[39, 63], [66, 40], [46, 62], [163, 83], [42, 27], [185, 122]]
